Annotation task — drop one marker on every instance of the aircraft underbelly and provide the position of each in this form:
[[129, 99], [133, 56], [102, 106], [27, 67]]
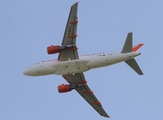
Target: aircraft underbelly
[[71, 67], [97, 62], [106, 61]]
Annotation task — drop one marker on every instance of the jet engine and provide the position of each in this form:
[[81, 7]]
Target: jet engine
[[53, 49], [56, 49], [66, 88]]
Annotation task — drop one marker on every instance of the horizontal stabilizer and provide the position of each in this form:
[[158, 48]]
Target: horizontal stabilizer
[[133, 64], [128, 44]]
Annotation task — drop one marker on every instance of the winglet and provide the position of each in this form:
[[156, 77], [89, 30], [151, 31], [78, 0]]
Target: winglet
[[136, 47]]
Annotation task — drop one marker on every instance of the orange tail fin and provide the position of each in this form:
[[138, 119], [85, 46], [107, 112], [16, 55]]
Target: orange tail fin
[[136, 47]]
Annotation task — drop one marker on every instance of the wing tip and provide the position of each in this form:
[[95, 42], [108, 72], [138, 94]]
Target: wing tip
[[107, 116], [76, 2]]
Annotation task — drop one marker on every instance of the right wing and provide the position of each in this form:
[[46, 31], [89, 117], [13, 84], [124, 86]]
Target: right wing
[[69, 38], [86, 92]]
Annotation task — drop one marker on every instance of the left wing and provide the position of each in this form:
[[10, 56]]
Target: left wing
[[86, 92], [69, 38]]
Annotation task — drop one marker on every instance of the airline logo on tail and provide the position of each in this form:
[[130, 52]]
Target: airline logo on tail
[[136, 47]]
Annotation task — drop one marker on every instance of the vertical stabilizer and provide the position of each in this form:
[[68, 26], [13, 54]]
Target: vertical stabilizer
[[128, 48], [136, 47], [128, 44]]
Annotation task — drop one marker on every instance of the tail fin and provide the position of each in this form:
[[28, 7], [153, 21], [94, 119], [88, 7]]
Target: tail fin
[[128, 48], [128, 44], [136, 47]]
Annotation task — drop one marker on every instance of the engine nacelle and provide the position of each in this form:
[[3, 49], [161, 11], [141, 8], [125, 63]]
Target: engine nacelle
[[56, 49], [64, 88], [53, 49]]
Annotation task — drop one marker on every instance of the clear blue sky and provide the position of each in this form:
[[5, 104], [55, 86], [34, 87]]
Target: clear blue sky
[[27, 27]]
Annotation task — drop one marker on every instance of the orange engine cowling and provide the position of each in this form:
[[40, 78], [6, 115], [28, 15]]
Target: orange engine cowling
[[53, 49], [64, 88]]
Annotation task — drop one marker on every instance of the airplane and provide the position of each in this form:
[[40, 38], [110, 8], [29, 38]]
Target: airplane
[[71, 66]]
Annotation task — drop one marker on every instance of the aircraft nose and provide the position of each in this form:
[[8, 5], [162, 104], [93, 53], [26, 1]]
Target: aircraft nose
[[31, 71], [27, 72]]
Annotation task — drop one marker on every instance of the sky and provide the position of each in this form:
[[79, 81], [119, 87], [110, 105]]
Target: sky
[[27, 27]]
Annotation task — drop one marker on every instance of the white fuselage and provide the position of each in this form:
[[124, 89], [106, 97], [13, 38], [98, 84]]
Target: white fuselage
[[84, 63]]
